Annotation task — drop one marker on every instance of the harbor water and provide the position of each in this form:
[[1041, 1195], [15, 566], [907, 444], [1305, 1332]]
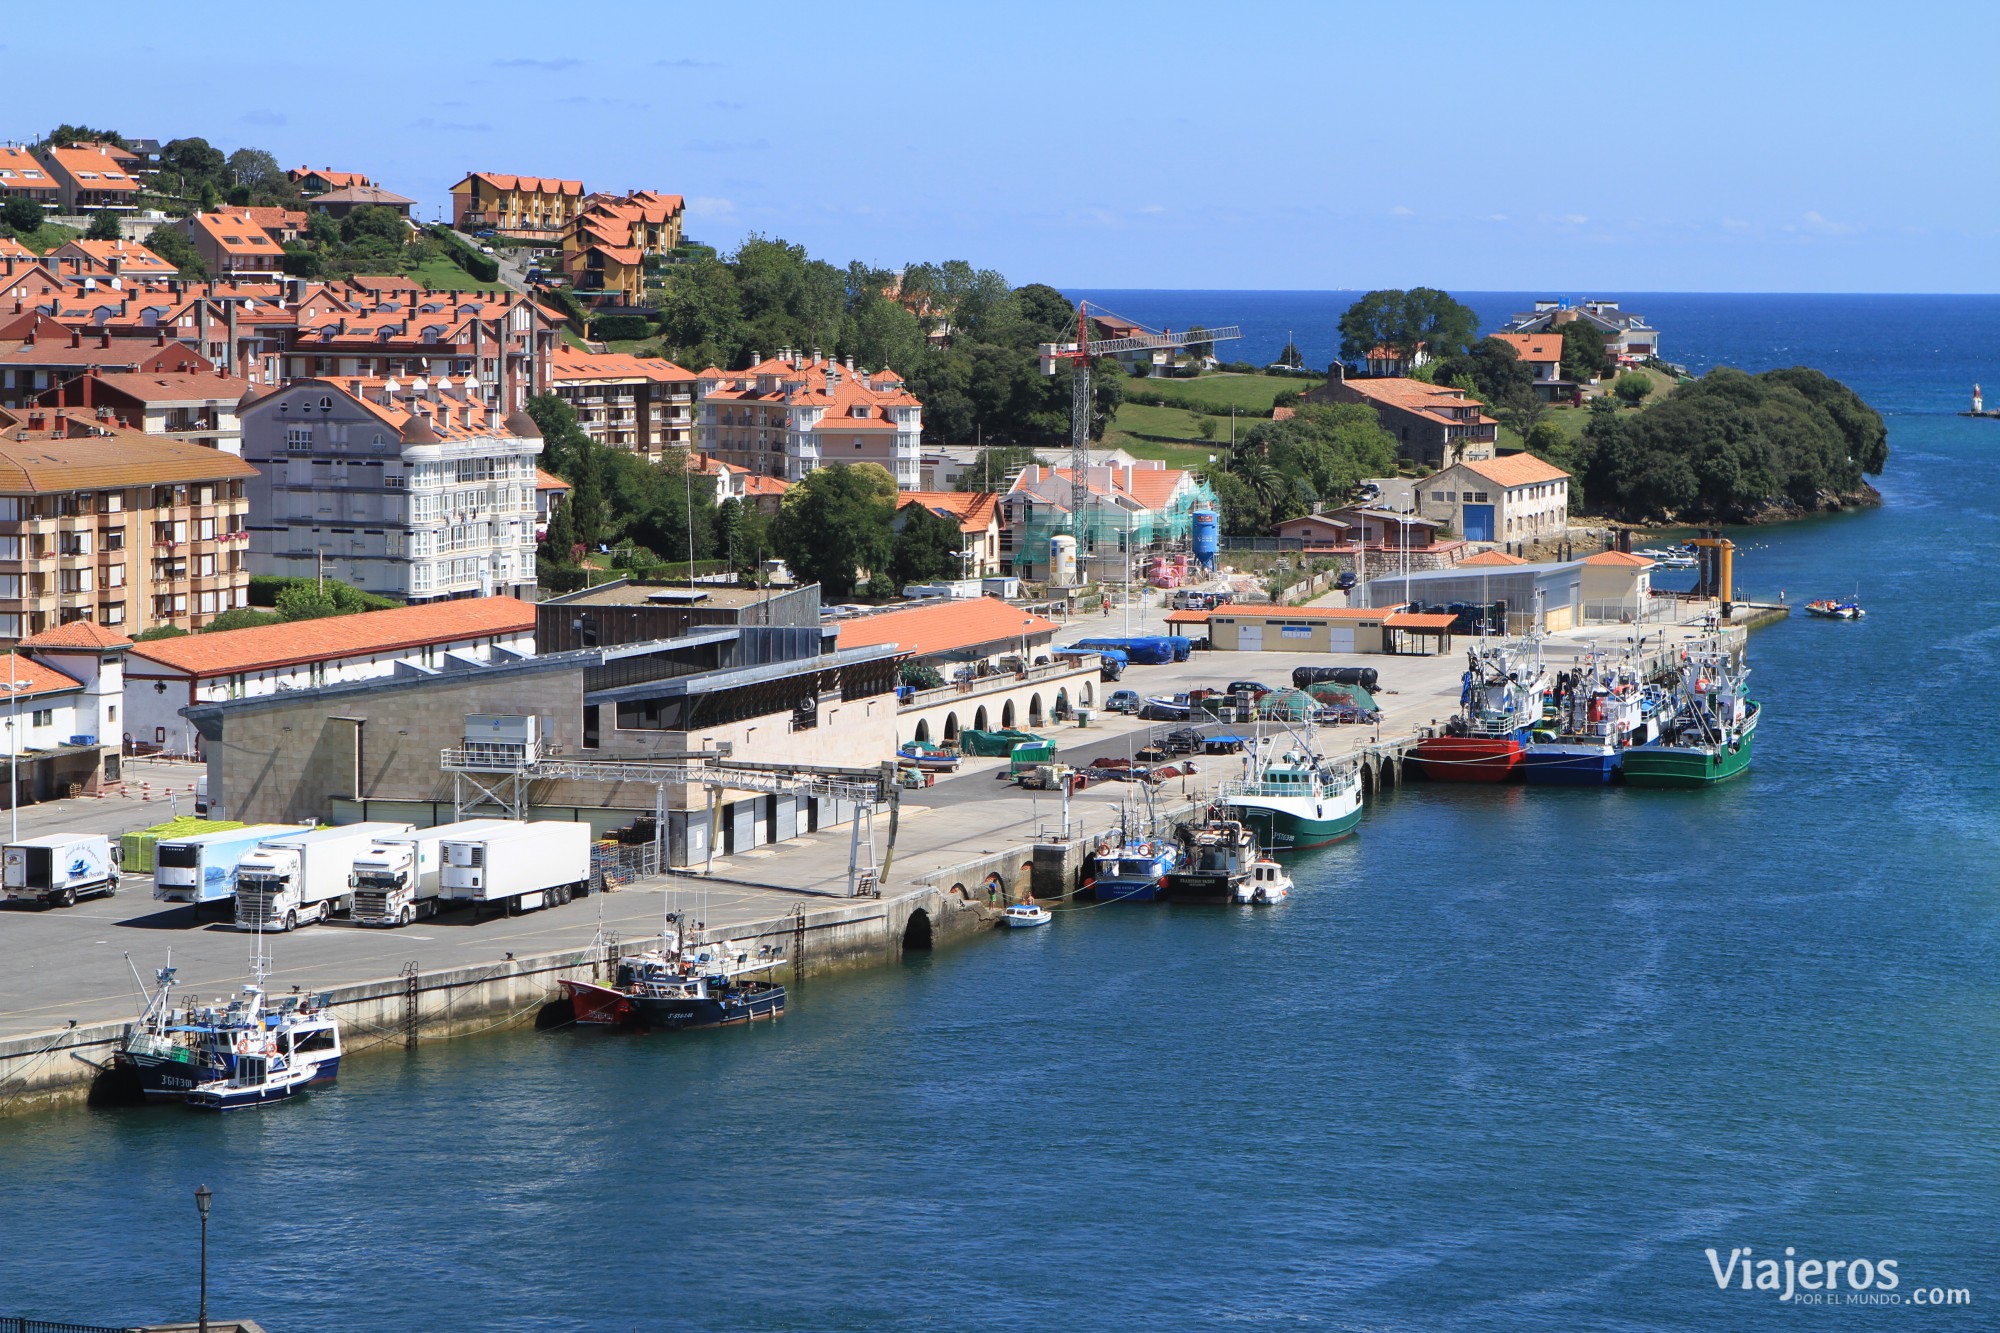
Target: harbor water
[[1510, 1059]]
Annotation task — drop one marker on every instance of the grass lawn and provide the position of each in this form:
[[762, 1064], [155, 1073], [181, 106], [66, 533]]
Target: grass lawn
[[1166, 433], [47, 237], [1251, 393], [440, 274]]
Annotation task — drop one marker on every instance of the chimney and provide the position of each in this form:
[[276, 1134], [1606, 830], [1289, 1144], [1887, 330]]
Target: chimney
[[37, 420], [76, 337], [229, 353], [850, 365], [160, 336], [104, 340]]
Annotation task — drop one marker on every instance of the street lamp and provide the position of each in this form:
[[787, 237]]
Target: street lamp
[[203, 1196]]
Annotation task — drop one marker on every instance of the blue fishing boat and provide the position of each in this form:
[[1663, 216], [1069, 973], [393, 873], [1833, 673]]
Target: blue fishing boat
[[1134, 872], [1595, 713], [173, 1050]]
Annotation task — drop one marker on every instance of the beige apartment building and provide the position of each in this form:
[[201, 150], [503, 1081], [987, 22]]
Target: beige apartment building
[[109, 525]]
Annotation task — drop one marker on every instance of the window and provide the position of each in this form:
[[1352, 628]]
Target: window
[[299, 439], [45, 717]]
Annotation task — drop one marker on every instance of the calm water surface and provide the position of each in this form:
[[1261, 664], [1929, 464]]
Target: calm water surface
[[1509, 1060]]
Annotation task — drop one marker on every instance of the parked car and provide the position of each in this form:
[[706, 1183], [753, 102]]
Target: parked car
[[1247, 687], [1184, 740], [1345, 581], [1158, 710], [1123, 701]]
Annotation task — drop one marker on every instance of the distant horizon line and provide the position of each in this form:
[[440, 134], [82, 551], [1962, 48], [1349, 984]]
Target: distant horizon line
[[1486, 291]]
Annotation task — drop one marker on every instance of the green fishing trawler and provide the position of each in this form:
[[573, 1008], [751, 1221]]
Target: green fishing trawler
[[1709, 736]]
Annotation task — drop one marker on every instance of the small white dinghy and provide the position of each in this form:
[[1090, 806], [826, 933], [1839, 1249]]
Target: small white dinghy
[[1268, 883], [1022, 916]]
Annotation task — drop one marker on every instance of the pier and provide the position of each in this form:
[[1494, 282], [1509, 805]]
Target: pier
[[68, 990]]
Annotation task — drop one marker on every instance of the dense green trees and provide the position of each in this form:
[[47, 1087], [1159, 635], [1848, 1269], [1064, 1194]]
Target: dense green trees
[[1404, 319], [836, 523], [1632, 387], [927, 547], [169, 244], [1283, 469], [1730, 445], [1585, 357], [103, 226], [21, 216]]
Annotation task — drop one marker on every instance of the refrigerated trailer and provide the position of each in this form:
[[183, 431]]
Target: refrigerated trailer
[[201, 868], [395, 879], [517, 868], [300, 878]]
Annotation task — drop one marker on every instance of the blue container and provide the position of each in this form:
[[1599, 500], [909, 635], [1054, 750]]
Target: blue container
[[1207, 537]]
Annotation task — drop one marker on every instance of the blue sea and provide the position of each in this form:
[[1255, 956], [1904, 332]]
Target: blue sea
[[1510, 1059]]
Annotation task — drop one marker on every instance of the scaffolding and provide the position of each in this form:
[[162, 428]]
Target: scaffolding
[[1107, 530], [485, 775]]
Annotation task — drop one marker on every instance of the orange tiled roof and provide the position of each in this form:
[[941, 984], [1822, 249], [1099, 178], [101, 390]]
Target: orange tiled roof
[[1417, 396], [1491, 558], [528, 184], [28, 174], [454, 415], [571, 364], [337, 179], [1432, 620], [93, 169], [1515, 470], [944, 627], [134, 259], [549, 481], [13, 249], [974, 510], [756, 484], [1533, 346], [36, 677], [369, 632], [236, 233], [77, 634], [1622, 558], [149, 387], [1238, 612]]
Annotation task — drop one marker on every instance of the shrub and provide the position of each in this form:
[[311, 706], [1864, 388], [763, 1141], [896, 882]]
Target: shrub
[[621, 328], [881, 587], [1632, 387]]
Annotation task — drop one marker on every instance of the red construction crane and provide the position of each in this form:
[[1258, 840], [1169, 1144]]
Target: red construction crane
[[1080, 354]]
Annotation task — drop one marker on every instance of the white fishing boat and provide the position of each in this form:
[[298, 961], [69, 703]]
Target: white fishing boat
[[269, 1074], [1026, 916], [1268, 884]]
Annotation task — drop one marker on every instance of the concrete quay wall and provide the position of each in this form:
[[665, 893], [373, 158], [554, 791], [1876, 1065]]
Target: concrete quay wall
[[73, 1065]]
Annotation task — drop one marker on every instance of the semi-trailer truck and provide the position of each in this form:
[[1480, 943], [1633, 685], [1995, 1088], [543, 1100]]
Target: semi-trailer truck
[[300, 878], [395, 879], [201, 868], [518, 868], [58, 868]]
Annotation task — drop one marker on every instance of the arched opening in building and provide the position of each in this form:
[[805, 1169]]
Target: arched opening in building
[[958, 891], [1392, 774], [1367, 781], [1059, 710], [1007, 715], [1026, 884], [994, 888], [1035, 710], [1083, 695], [979, 719], [917, 931], [923, 730], [951, 726]]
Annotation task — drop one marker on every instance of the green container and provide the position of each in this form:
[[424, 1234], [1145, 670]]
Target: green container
[[993, 744], [136, 849]]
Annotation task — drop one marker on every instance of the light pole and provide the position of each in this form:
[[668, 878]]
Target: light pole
[[203, 1196]]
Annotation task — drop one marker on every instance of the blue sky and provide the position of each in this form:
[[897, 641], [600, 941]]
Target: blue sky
[[1757, 146]]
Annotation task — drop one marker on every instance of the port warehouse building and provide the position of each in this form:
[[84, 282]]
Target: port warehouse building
[[964, 641], [164, 676], [371, 748], [1607, 587]]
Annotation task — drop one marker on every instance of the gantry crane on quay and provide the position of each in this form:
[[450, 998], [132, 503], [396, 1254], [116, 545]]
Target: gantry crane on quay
[[1080, 354]]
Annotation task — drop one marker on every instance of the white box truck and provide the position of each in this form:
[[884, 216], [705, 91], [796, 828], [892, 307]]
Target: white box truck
[[290, 881], [201, 869], [518, 867], [395, 879], [58, 868]]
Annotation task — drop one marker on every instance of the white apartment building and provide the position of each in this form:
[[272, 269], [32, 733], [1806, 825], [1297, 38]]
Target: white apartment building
[[421, 491], [791, 413]]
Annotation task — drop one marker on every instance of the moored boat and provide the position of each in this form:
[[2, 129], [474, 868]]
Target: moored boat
[[668, 989], [1708, 737], [1026, 916], [1500, 700], [171, 1050], [928, 757], [1826, 608], [1217, 857], [1295, 799], [259, 1079], [1598, 710], [1133, 871], [1268, 884]]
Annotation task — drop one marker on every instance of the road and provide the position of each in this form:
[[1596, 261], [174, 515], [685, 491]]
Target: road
[[71, 964]]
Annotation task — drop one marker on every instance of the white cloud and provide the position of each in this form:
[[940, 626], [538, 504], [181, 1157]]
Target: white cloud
[[711, 208]]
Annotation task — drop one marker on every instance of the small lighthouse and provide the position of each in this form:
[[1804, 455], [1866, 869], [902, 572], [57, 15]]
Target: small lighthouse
[[1976, 400]]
